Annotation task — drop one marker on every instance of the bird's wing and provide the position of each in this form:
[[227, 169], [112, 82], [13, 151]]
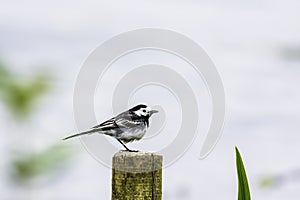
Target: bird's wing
[[127, 123], [123, 120], [109, 124]]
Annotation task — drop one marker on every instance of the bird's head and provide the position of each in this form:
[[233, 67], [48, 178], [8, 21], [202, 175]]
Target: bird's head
[[143, 110]]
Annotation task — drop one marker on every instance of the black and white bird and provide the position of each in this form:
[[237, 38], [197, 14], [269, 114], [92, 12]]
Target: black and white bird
[[126, 127]]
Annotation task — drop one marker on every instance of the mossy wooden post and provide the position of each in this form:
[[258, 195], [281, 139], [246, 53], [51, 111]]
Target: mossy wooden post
[[136, 176]]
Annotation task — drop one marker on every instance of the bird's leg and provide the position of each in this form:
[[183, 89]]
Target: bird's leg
[[126, 147]]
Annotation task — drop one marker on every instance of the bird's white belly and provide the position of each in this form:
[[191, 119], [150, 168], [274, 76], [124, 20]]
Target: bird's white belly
[[135, 134]]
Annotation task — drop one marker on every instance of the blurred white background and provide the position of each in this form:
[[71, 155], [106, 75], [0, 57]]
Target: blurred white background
[[255, 45]]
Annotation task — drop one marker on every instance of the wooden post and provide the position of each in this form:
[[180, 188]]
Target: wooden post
[[137, 176]]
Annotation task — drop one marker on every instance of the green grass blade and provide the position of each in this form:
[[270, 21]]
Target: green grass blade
[[243, 187]]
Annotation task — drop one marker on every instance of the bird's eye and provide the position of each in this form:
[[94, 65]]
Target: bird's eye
[[144, 110]]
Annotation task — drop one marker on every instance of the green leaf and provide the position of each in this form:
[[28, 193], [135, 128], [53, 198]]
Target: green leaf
[[20, 94], [243, 187], [29, 166]]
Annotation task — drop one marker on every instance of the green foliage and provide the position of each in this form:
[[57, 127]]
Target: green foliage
[[266, 181], [29, 166], [243, 187], [18, 93]]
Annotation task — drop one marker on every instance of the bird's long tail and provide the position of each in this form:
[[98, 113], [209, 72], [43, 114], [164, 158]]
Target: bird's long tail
[[82, 133]]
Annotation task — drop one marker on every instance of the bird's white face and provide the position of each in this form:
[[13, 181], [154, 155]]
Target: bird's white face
[[145, 112]]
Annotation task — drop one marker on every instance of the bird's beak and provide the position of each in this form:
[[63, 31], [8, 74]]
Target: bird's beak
[[154, 111]]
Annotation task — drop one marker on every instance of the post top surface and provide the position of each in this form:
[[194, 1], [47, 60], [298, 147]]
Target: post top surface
[[135, 154], [137, 162]]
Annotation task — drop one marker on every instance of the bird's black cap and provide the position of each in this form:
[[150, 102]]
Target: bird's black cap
[[135, 108]]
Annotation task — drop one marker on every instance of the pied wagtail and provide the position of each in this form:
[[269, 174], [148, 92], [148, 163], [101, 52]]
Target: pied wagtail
[[126, 127]]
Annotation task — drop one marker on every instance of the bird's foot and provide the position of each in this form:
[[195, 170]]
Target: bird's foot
[[134, 151], [129, 150]]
